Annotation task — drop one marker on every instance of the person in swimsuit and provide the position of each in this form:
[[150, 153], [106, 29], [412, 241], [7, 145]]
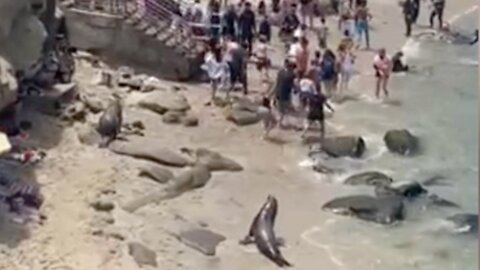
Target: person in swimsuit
[[315, 112], [346, 60], [382, 66]]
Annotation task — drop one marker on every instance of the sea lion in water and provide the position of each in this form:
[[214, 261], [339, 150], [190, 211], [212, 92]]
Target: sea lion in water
[[261, 233], [372, 178], [110, 122], [464, 223], [383, 210]]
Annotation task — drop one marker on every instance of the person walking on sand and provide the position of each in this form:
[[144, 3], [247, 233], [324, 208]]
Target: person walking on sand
[[315, 112], [236, 58], [268, 118], [322, 33], [416, 10], [362, 16], [282, 90], [382, 66], [229, 21], [247, 25], [302, 55], [346, 59], [408, 14], [306, 11], [263, 61], [438, 8], [216, 68], [329, 72]]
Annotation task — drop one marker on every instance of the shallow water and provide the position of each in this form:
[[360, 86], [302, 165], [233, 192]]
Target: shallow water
[[439, 104]]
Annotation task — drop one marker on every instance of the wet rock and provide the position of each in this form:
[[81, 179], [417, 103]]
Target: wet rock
[[401, 142], [172, 117], [220, 102], [163, 101], [190, 121], [242, 118], [152, 84], [384, 210], [372, 178], [347, 146], [202, 240], [141, 254], [244, 104], [93, 103], [464, 223], [88, 135], [135, 82], [64, 91], [213, 161], [156, 172], [102, 205], [150, 150]]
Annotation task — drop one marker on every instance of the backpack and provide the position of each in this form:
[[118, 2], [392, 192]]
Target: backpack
[[328, 69]]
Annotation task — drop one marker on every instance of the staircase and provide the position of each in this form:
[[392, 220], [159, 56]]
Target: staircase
[[158, 22]]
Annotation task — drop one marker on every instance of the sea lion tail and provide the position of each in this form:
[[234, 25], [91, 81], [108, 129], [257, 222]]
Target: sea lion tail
[[281, 262]]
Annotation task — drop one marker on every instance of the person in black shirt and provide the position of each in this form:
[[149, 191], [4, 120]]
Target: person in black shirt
[[408, 13], [289, 24], [247, 26], [416, 10], [315, 103], [438, 7], [397, 64], [229, 20], [215, 20], [265, 29]]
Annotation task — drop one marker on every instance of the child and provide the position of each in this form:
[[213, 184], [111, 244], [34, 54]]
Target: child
[[322, 32], [315, 103], [263, 61], [265, 29], [269, 121], [346, 59], [216, 68]]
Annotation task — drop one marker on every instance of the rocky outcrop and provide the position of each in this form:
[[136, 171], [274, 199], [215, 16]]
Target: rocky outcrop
[[163, 101], [401, 141]]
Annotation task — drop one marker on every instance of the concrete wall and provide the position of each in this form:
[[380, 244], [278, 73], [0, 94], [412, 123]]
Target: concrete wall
[[109, 36]]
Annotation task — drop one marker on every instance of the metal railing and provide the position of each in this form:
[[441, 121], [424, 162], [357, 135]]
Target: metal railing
[[116, 7]]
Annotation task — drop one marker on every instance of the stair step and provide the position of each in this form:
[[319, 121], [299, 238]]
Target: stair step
[[151, 31], [165, 36], [133, 20], [142, 26]]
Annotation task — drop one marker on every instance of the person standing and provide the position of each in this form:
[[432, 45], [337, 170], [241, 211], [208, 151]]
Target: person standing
[[215, 20], [362, 16], [236, 59], [382, 66], [289, 24], [438, 8], [306, 11], [229, 21], [408, 14], [216, 68], [322, 33], [267, 116], [416, 10], [265, 28], [315, 112], [247, 26], [329, 71], [283, 88], [346, 60]]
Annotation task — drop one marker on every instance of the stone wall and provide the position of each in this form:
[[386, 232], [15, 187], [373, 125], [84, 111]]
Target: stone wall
[[109, 36]]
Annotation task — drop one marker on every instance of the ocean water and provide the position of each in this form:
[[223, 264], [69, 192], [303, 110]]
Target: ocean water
[[438, 103]]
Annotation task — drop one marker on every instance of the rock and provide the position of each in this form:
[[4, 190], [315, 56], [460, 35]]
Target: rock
[[150, 150], [135, 82], [202, 240], [401, 142], [384, 210], [190, 121], [242, 118], [156, 172], [348, 146], [245, 104], [88, 135], [220, 102], [464, 223], [214, 161], [141, 254], [8, 84], [372, 178], [172, 117], [93, 103], [161, 102], [151, 84], [102, 205], [75, 112]]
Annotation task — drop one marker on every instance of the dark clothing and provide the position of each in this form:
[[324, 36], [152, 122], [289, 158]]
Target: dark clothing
[[438, 7], [416, 10], [290, 23], [246, 24], [265, 29], [229, 20], [408, 13], [397, 65], [276, 6], [284, 84], [328, 69], [315, 104], [215, 21]]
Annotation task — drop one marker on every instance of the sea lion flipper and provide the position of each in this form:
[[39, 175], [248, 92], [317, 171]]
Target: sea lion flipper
[[247, 240], [280, 241], [281, 262]]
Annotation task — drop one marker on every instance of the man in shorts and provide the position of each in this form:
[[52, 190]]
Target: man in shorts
[[283, 89]]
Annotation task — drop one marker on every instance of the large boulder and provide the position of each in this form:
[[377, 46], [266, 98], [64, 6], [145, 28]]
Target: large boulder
[[150, 150], [372, 178], [384, 210], [142, 254], [203, 240], [163, 101], [242, 117], [401, 141], [346, 146]]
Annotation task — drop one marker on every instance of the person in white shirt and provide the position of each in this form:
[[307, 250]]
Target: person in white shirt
[[346, 59], [263, 61], [217, 70], [322, 33], [300, 32], [382, 66]]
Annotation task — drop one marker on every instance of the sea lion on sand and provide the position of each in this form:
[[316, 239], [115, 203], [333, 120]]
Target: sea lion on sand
[[383, 210], [110, 123], [261, 233]]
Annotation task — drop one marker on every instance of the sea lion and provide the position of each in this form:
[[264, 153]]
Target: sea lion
[[261, 233], [408, 190], [110, 123], [464, 223], [383, 210], [371, 178]]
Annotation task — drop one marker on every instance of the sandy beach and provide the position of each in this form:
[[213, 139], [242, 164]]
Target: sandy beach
[[74, 174]]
